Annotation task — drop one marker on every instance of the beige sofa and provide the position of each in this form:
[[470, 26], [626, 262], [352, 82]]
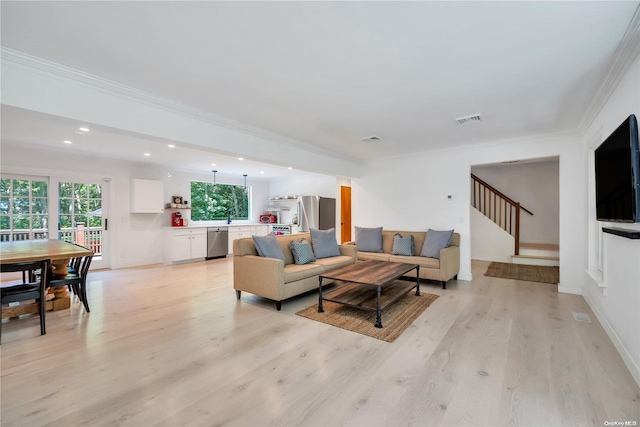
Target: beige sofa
[[271, 278], [442, 270]]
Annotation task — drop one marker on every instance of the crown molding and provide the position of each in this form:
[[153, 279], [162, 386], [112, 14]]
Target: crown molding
[[55, 70], [625, 54]]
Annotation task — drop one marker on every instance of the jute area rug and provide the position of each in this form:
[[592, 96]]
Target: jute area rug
[[531, 273], [395, 319]]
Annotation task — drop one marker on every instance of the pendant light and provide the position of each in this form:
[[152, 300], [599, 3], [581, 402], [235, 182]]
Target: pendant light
[[214, 179], [245, 182]]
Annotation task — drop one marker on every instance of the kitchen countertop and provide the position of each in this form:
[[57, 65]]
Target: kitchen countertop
[[237, 224]]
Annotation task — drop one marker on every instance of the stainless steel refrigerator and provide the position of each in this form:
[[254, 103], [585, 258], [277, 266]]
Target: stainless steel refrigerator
[[316, 212]]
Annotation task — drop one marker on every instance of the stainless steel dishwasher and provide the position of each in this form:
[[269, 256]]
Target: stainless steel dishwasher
[[217, 242]]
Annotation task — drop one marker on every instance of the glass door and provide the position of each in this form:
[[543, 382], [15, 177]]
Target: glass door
[[82, 217]]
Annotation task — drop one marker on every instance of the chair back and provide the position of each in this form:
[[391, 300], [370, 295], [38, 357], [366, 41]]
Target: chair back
[[27, 291], [84, 267], [25, 266]]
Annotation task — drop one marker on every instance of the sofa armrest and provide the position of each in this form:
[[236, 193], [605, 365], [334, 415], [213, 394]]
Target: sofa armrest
[[259, 275], [449, 262], [349, 250]]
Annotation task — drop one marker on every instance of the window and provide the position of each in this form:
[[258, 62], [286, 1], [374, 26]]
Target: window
[[209, 203], [80, 204], [23, 209]]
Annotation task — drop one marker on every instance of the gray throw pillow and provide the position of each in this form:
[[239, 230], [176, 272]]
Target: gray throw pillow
[[369, 239], [434, 242], [268, 247], [324, 243], [302, 252], [402, 245]]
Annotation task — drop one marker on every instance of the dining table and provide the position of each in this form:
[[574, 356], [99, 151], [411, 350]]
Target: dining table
[[57, 251]]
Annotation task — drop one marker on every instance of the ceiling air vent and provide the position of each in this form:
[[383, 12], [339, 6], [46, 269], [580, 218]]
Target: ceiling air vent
[[372, 138], [467, 119]]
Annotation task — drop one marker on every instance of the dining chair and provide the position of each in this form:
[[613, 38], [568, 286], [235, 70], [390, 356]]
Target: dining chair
[[27, 291], [76, 279]]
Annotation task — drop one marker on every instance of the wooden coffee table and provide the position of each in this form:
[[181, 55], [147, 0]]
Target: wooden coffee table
[[369, 285]]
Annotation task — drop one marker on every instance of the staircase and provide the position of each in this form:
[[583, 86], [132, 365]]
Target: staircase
[[538, 254], [505, 212]]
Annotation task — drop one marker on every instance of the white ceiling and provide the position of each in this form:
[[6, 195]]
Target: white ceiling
[[29, 129], [330, 73]]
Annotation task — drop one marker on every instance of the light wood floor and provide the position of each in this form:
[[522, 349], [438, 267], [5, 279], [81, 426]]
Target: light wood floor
[[171, 346]]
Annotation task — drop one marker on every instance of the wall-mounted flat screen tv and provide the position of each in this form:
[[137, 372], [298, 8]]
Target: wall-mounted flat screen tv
[[617, 163]]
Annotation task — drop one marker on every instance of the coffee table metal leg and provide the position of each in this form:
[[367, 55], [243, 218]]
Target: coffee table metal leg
[[418, 281], [378, 311], [320, 309]]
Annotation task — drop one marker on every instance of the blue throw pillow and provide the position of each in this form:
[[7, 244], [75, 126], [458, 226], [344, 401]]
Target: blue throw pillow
[[302, 252], [434, 242], [369, 239], [402, 245], [268, 247], [324, 243]]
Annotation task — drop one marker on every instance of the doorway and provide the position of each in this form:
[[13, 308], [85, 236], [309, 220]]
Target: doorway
[[345, 213], [82, 217]]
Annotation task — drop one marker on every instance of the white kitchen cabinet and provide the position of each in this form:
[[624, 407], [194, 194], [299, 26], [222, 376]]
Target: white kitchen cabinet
[[259, 230], [242, 231], [147, 196], [184, 244], [238, 232]]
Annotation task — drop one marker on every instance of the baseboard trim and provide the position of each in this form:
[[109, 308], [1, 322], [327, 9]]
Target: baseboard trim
[[506, 259], [575, 290], [632, 366]]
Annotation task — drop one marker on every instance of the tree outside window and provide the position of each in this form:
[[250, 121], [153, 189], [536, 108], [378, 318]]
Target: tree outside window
[[23, 209], [210, 204]]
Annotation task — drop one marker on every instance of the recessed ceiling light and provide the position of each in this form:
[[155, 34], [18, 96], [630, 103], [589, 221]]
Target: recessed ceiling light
[[84, 129], [261, 171], [171, 146], [213, 164], [67, 142], [147, 154], [240, 158], [289, 168]]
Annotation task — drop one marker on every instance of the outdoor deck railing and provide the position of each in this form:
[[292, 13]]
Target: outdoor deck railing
[[88, 237]]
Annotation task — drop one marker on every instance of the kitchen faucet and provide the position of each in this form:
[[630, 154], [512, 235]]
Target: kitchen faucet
[[229, 216]]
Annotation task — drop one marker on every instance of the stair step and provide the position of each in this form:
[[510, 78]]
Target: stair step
[[536, 260], [540, 246]]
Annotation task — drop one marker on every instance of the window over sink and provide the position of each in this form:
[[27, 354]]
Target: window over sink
[[219, 202]]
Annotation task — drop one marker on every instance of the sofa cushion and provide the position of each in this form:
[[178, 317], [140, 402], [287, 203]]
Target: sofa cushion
[[267, 246], [334, 262], [302, 252], [295, 272], [402, 245], [369, 239], [423, 262], [434, 241], [324, 243], [373, 255]]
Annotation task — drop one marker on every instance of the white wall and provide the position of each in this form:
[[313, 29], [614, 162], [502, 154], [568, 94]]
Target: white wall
[[304, 185], [612, 280], [135, 239], [536, 186], [488, 241], [410, 193]]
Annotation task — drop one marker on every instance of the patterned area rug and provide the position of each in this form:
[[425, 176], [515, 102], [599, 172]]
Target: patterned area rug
[[530, 273], [395, 319]]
